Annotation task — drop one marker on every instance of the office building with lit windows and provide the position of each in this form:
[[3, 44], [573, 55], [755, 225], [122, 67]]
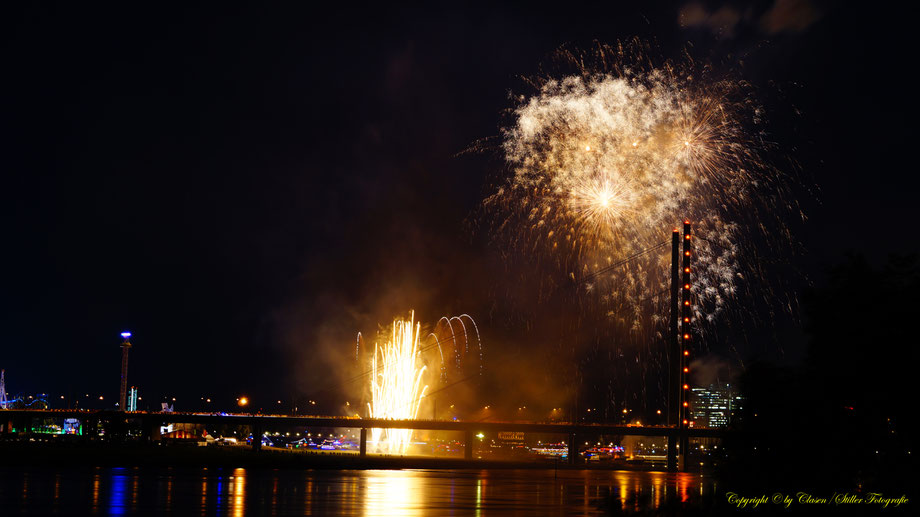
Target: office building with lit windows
[[713, 406]]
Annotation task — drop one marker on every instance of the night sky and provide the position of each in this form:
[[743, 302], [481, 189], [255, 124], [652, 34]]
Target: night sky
[[247, 189]]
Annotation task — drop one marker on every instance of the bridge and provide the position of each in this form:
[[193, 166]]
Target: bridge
[[150, 422]]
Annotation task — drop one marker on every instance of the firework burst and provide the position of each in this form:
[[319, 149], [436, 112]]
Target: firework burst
[[607, 160]]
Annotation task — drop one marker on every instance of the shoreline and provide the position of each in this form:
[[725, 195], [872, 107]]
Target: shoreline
[[36, 454]]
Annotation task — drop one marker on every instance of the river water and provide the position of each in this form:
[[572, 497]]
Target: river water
[[238, 492]]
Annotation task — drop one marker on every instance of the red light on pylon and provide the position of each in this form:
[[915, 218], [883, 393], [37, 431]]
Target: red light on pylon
[[687, 237], [686, 370], [686, 386], [686, 352], [686, 302], [687, 253], [686, 336], [686, 270], [686, 286], [686, 320], [686, 404], [686, 221], [685, 422]]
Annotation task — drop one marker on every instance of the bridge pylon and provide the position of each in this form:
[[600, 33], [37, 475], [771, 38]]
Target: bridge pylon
[[4, 403], [680, 332]]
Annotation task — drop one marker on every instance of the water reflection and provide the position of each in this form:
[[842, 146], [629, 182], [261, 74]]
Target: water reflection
[[238, 492], [238, 488], [204, 495], [393, 492], [97, 480], [117, 493]]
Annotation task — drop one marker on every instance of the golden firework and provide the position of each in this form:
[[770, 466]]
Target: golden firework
[[396, 388]]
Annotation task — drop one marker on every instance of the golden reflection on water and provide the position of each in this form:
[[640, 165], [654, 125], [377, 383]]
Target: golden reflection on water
[[683, 487], [238, 488], [376, 492], [96, 480], [392, 493], [134, 491], [308, 494], [169, 489], [659, 489], [353, 489], [635, 491], [204, 495], [478, 496]]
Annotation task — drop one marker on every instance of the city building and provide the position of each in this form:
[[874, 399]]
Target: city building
[[132, 399], [714, 405]]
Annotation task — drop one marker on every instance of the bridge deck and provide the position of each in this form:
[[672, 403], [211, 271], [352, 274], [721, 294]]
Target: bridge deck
[[270, 421]]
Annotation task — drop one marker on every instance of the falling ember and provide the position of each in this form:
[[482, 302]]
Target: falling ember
[[396, 388]]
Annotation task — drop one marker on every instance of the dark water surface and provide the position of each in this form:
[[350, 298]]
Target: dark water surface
[[238, 492]]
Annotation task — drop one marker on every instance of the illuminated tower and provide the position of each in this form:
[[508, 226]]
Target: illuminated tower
[[122, 394], [3, 401], [132, 399]]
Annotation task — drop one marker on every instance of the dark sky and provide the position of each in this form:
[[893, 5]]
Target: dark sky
[[238, 185]]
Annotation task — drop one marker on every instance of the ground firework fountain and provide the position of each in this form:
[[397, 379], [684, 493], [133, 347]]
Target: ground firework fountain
[[396, 386], [399, 370]]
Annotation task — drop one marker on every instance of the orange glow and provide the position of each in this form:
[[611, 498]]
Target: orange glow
[[686, 221], [686, 320], [686, 336], [687, 237], [685, 422], [686, 386], [686, 286], [686, 352], [687, 253], [243, 401], [686, 404], [686, 370], [686, 270], [686, 302]]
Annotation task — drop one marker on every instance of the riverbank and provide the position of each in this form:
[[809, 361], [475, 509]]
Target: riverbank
[[100, 454]]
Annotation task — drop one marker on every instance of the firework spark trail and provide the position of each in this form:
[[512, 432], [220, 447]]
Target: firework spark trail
[[606, 161], [396, 388]]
